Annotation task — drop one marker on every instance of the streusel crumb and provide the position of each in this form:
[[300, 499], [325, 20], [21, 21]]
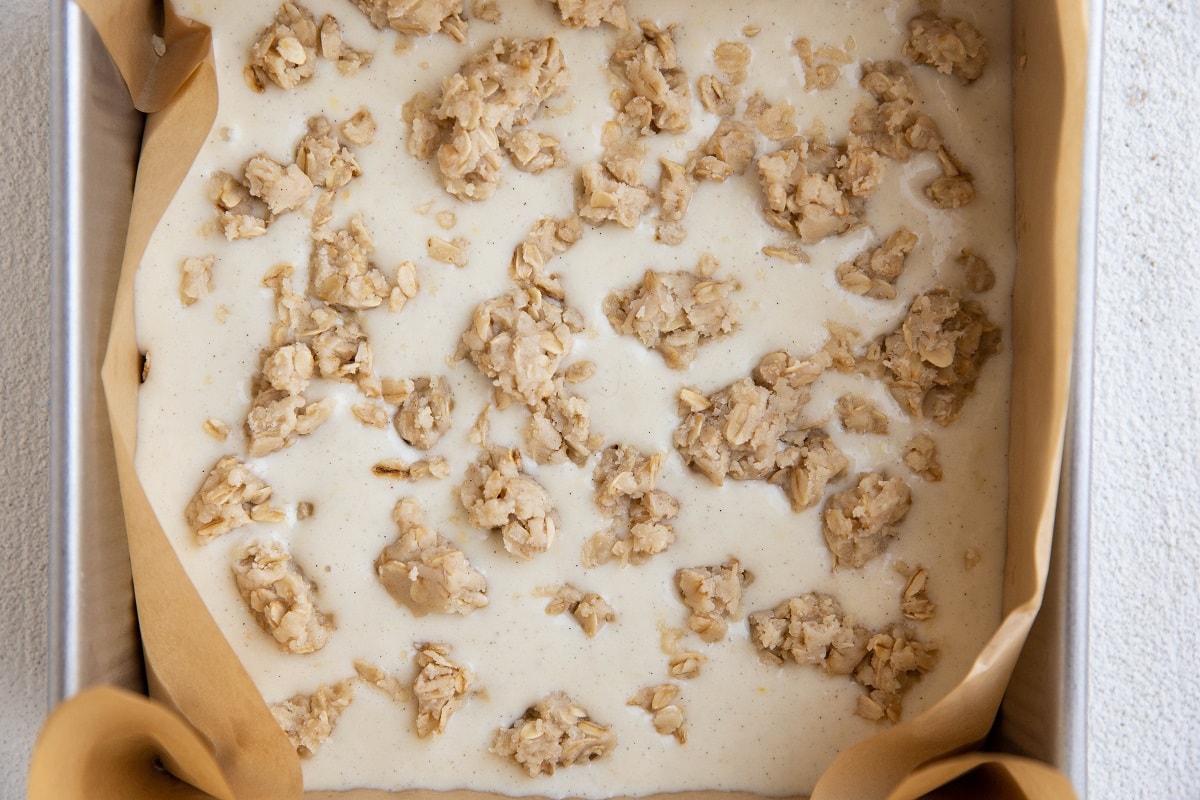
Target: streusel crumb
[[196, 281], [665, 710], [810, 629], [424, 571], [441, 687], [860, 521], [950, 45], [498, 495], [230, 496], [714, 596], [555, 732], [589, 609], [674, 313], [309, 719], [281, 599]]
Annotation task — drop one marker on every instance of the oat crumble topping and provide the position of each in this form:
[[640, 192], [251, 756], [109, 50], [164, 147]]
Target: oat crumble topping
[[397, 469], [424, 571], [498, 495], [859, 415], [822, 66], [590, 13], [625, 481], [341, 269], [498, 91], [685, 666], [309, 719], [810, 629], [440, 687], [281, 599], [920, 455], [230, 496], [197, 280], [382, 680], [914, 600], [555, 732], [666, 713], [674, 313], [590, 610], [950, 45], [424, 410], [286, 52], [874, 272], [976, 271], [932, 360], [714, 596], [895, 659], [658, 97], [415, 17], [753, 429], [860, 521]]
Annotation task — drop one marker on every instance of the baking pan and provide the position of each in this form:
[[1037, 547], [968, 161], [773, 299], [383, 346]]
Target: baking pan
[[93, 631]]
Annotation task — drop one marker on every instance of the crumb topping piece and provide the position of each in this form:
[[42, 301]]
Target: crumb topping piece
[[810, 629], [424, 571], [441, 687], [950, 45], [282, 188], [196, 281], [230, 496], [415, 17], [895, 659], [674, 313], [548, 237], [397, 469], [658, 97], [860, 415], [286, 52], [860, 521], [519, 341], [807, 469], [281, 599], [423, 416], [279, 411], [728, 151], [920, 455], [914, 600], [822, 65], [468, 128], [626, 481], [753, 429], [554, 732], [309, 719], [874, 272], [341, 269], [714, 596], [382, 680], [675, 189], [325, 159], [933, 359], [686, 665], [590, 610], [498, 495], [976, 271], [590, 13], [560, 426], [605, 197], [666, 712]]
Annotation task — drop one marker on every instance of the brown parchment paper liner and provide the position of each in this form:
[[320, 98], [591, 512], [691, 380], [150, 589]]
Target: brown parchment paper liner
[[205, 731]]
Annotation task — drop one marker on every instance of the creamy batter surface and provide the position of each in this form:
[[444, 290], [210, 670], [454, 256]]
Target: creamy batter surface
[[750, 723]]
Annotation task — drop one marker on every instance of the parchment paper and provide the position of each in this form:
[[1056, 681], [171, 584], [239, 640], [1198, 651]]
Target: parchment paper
[[205, 731]]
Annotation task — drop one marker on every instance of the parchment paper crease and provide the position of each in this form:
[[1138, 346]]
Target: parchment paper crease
[[205, 731]]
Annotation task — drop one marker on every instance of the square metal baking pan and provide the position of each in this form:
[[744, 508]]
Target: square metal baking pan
[[93, 628]]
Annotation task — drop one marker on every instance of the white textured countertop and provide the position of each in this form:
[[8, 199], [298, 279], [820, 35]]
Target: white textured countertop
[[1144, 697]]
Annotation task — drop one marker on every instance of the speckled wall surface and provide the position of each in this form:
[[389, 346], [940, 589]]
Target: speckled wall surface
[[24, 378], [1144, 695]]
